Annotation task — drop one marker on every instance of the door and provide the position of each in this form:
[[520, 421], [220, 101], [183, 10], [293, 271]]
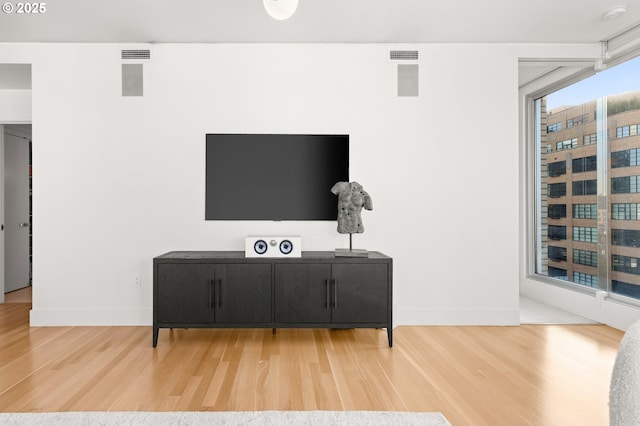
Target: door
[[16, 212], [243, 293], [360, 293], [185, 293], [303, 293]]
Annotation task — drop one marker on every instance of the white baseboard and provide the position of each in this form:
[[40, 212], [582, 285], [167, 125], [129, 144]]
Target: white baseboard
[[501, 317], [91, 317]]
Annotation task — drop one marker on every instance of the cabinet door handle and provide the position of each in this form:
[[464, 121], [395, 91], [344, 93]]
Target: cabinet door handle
[[335, 293], [219, 294], [327, 286], [210, 291]]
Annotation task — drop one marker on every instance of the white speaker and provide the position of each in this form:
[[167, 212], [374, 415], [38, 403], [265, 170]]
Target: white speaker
[[271, 246]]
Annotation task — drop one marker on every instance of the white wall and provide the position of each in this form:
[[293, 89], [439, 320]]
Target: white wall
[[119, 180], [15, 106]]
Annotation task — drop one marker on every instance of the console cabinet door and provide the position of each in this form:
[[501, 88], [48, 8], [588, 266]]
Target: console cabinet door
[[360, 293], [185, 293], [243, 293], [302, 293]]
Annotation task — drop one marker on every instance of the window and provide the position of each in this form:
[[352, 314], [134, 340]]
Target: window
[[625, 185], [585, 187], [585, 234], [557, 232], [585, 279], [625, 264], [576, 121], [557, 190], [626, 131], [597, 176], [625, 211], [566, 144], [589, 139], [584, 164], [625, 237], [559, 254], [585, 257], [626, 158], [585, 211], [555, 127], [557, 211], [558, 168]]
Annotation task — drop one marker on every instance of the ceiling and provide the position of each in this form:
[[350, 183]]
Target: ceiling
[[321, 21]]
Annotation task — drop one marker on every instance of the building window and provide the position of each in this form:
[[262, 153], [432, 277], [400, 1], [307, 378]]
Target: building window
[[585, 257], [558, 168], [567, 144], [558, 273], [626, 158], [557, 232], [585, 187], [625, 211], [559, 254], [626, 289], [626, 131], [625, 185], [625, 237], [584, 164], [557, 190], [576, 121], [585, 234], [585, 211], [585, 279], [555, 127], [557, 211], [625, 264], [589, 139]]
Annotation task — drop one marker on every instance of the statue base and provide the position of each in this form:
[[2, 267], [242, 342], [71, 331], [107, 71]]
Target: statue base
[[352, 253]]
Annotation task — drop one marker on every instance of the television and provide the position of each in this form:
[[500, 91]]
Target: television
[[274, 177]]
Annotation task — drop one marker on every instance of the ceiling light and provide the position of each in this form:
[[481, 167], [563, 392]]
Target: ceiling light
[[615, 12], [280, 9]]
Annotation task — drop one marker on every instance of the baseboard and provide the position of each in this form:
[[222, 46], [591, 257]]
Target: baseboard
[[91, 317], [410, 316]]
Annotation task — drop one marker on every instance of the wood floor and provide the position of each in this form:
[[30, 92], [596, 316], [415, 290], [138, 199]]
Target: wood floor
[[537, 374]]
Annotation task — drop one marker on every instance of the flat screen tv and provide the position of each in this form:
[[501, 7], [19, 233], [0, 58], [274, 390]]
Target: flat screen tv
[[274, 177]]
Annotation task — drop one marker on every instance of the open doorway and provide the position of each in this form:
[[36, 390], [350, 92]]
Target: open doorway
[[15, 182], [17, 221]]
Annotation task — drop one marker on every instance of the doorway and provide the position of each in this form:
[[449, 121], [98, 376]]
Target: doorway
[[17, 220]]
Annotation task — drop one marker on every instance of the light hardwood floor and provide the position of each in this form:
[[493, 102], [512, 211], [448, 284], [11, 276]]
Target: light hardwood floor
[[536, 374]]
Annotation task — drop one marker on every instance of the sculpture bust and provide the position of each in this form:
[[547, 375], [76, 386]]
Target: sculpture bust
[[351, 199]]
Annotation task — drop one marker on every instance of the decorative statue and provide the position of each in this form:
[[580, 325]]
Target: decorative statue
[[351, 199]]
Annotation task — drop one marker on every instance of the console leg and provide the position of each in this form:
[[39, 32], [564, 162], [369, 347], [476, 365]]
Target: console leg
[[390, 336], [273, 331], [155, 336]]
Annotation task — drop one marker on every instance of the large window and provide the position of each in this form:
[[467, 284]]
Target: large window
[[588, 158]]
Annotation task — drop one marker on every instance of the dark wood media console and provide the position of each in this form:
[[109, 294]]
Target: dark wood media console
[[216, 289]]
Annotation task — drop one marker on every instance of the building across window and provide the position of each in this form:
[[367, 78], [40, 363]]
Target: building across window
[[585, 279], [584, 164], [625, 185], [625, 211], [585, 187], [567, 144], [585, 257], [585, 234], [585, 211], [625, 237], [626, 131], [559, 254], [626, 264]]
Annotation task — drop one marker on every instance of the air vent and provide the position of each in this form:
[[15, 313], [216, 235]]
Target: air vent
[[406, 55], [136, 54]]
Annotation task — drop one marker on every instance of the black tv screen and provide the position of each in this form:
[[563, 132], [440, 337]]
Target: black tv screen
[[274, 177]]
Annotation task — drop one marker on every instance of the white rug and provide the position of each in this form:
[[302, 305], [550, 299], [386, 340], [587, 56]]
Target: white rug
[[253, 418]]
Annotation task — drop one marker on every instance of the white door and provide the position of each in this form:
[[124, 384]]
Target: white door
[[16, 213]]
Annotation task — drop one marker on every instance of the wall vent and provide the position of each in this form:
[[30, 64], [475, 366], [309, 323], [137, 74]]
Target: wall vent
[[136, 54], [406, 55]]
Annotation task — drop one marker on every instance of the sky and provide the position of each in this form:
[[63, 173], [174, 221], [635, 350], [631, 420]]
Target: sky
[[612, 81]]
